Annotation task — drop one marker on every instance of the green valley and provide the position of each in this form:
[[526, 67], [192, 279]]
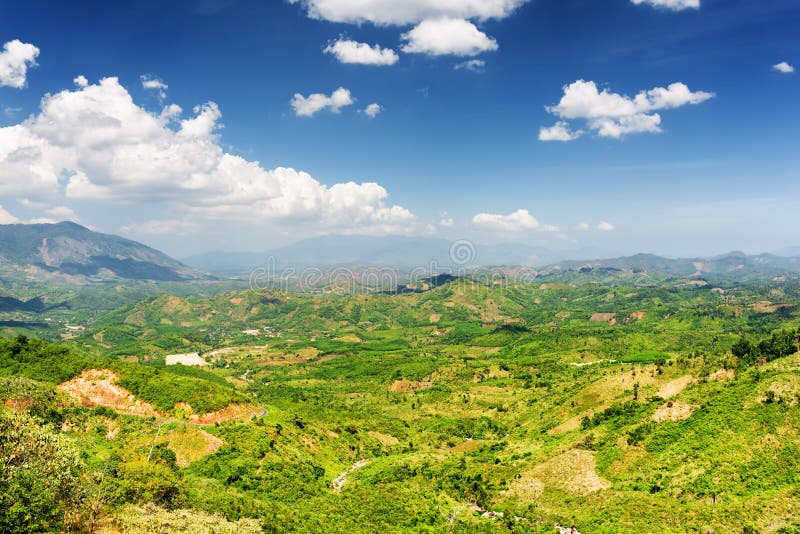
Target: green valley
[[627, 404]]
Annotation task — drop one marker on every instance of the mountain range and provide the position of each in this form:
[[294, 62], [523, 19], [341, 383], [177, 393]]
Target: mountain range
[[70, 252]]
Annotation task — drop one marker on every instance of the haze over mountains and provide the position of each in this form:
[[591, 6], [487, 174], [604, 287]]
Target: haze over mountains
[[70, 251], [407, 253]]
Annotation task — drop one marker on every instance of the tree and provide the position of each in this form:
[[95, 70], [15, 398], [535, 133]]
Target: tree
[[40, 480], [745, 350]]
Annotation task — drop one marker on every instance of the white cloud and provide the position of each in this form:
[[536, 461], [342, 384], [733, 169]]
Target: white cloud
[[514, 222], [95, 143], [616, 128], [551, 228], [6, 217], [347, 51], [154, 84], [584, 227], [81, 81], [675, 5], [62, 213], [560, 131], [149, 82], [31, 204], [372, 110], [403, 12], [308, 106], [614, 115], [447, 36], [605, 226], [15, 59], [446, 220], [783, 67], [472, 65]]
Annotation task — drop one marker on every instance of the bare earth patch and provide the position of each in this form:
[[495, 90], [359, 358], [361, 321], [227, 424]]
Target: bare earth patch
[[401, 386], [637, 316], [604, 318], [96, 387], [385, 439], [349, 338], [672, 388], [768, 307], [233, 411], [722, 375], [434, 318], [191, 359], [573, 471], [673, 411]]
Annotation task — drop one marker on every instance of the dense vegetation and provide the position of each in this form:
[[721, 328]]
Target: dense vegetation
[[159, 385], [617, 404]]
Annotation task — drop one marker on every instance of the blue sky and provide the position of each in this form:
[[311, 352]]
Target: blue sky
[[455, 152]]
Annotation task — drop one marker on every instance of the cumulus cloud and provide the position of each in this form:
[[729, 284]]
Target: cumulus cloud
[[614, 115], [403, 12], [605, 226], [584, 227], [560, 131], [472, 65], [347, 51], [513, 222], [783, 67], [372, 110], [308, 106], [81, 81], [95, 143], [447, 36], [15, 59], [674, 5]]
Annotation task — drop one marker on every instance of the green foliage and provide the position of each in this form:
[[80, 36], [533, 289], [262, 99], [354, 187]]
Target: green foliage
[[447, 410], [39, 360], [40, 483], [140, 481], [779, 344], [36, 398], [164, 389]]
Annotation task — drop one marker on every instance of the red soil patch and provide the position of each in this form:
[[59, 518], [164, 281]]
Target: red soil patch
[[233, 411], [402, 386], [96, 387], [609, 318]]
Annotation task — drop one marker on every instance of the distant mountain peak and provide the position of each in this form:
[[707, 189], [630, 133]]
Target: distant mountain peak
[[68, 249]]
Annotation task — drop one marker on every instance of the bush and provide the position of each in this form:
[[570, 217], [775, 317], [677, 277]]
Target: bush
[[40, 483]]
